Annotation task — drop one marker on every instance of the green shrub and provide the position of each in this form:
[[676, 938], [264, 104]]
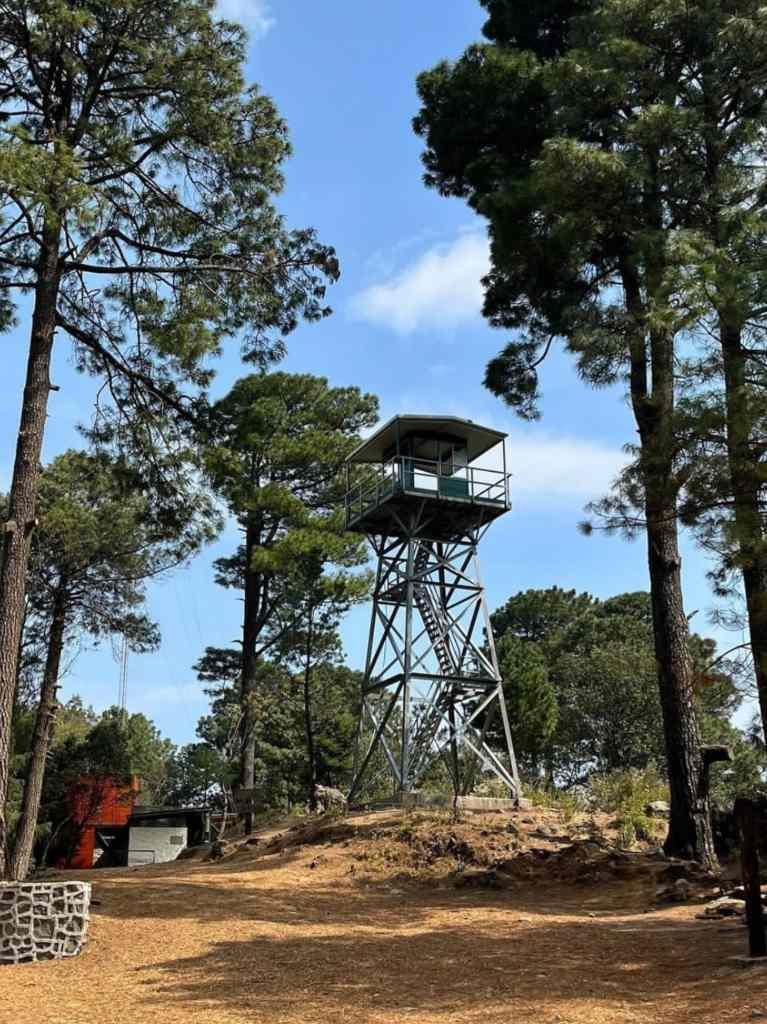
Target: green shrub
[[632, 788], [626, 794], [627, 831], [493, 787], [567, 802]]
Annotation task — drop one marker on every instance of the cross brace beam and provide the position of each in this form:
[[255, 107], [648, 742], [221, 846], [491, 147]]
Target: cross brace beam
[[432, 686]]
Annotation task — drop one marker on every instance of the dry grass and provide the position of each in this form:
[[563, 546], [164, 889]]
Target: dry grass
[[362, 922]]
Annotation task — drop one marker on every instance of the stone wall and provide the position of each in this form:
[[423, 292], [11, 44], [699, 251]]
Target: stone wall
[[490, 803], [42, 920]]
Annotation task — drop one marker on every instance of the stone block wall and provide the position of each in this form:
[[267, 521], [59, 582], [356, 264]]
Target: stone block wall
[[487, 803], [463, 803], [42, 920]]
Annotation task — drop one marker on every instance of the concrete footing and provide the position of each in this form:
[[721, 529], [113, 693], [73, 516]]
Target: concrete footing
[[463, 803], [42, 920], [491, 803]]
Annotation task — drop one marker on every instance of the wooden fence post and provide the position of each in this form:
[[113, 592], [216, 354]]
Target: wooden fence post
[[745, 816]]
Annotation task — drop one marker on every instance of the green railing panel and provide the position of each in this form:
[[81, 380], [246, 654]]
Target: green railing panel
[[453, 487]]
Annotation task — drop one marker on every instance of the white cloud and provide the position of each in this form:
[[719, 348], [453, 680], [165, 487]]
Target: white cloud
[[440, 289], [183, 694], [550, 467], [255, 15], [545, 466]]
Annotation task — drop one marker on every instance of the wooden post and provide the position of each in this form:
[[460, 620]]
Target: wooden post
[[745, 816]]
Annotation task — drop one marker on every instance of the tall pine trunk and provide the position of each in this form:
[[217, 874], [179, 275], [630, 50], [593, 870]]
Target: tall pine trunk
[[746, 485], [689, 835], [24, 837], [653, 402], [250, 631], [22, 501], [308, 724]]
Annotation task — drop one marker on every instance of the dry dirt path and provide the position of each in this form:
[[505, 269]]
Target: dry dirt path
[[276, 940]]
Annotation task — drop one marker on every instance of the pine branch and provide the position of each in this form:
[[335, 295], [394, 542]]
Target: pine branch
[[124, 369]]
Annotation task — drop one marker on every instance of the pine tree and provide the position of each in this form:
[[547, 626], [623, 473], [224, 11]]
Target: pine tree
[[99, 540], [315, 601], [723, 106], [540, 615], [531, 700], [278, 443], [589, 666], [556, 132], [282, 767], [136, 176]]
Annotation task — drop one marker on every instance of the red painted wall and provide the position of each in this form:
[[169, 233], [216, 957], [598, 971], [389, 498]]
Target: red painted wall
[[94, 802]]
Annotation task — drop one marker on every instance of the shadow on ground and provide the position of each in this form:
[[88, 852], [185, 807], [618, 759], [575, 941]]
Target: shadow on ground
[[465, 959]]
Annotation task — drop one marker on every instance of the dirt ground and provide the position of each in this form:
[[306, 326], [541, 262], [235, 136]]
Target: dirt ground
[[348, 930]]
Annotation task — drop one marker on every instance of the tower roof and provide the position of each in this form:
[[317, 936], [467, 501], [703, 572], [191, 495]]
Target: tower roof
[[478, 439]]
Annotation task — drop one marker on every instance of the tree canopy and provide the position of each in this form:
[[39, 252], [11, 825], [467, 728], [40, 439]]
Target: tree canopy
[[582, 690]]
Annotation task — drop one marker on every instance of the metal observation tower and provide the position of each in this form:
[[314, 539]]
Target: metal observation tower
[[424, 489]]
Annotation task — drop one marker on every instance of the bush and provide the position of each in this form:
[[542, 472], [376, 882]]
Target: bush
[[626, 794], [492, 786], [567, 802]]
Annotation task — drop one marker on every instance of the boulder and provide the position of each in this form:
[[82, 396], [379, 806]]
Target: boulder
[[723, 907], [657, 809], [689, 869], [682, 890], [200, 852], [329, 798], [481, 878], [218, 849], [679, 892]]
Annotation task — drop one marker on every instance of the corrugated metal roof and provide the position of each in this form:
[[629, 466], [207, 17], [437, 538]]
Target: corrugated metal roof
[[478, 439], [167, 812]]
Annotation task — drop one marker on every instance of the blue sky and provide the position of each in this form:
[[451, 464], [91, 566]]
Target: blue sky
[[406, 326]]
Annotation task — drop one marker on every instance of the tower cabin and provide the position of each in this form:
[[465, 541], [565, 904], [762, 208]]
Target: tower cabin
[[440, 476]]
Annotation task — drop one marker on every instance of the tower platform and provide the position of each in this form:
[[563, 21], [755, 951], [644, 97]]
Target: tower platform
[[452, 471]]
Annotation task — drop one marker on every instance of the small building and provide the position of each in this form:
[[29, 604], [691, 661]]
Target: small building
[[157, 835], [100, 807], [109, 828]]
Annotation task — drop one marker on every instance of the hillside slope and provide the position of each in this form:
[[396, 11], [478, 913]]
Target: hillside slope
[[386, 918]]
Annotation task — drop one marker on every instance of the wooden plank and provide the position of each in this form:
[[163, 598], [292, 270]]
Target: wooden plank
[[745, 816]]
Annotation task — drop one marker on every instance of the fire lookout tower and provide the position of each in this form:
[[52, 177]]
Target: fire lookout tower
[[424, 489]]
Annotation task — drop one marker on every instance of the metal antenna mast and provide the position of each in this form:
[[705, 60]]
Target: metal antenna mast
[[123, 682], [432, 686]]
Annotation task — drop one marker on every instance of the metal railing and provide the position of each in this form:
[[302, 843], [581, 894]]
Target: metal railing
[[425, 476]]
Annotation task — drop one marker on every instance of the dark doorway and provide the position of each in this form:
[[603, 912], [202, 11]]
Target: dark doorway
[[111, 846]]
